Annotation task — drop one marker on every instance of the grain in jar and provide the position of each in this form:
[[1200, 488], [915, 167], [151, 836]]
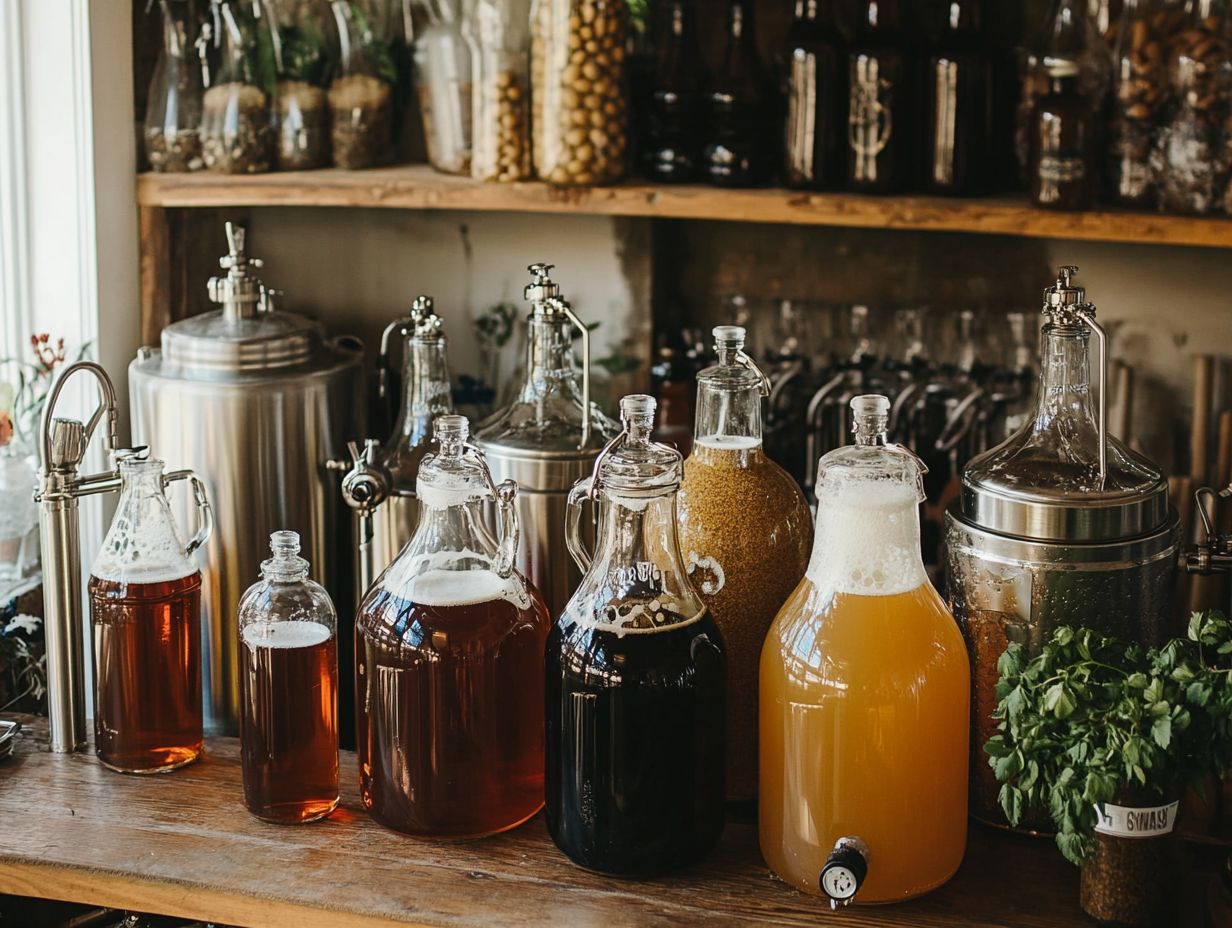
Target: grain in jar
[[745, 532], [236, 130], [500, 126], [361, 97], [580, 110], [306, 55]]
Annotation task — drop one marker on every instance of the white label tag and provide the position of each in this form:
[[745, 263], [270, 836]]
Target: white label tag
[[1124, 822]]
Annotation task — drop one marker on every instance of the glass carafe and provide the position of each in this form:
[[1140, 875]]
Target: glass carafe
[[306, 55], [636, 675], [289, 690], [361, 95], [145, 607], [173, 104], [449, 647], [236, 116], [745, 531], [865, 692]]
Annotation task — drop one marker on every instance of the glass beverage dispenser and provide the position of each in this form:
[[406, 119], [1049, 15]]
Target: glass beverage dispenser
[[547, 438], [1061, 524]]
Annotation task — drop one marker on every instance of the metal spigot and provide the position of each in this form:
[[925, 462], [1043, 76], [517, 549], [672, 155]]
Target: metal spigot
[[239, 291], [1214, 553], [364, 488], [845, 870], [65, 442]]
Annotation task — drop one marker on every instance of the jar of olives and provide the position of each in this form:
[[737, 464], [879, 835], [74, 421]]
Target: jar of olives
[[580, 107]]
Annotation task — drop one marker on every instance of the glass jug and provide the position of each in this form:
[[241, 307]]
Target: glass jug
[[636, 675], [865, 692], [289, 690], [745, 531], [449, 648], [173, 104], [237, 135], [361, 95], [145, 608]]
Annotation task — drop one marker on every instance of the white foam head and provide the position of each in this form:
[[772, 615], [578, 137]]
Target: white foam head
[[729, 442], [442, 588], [142, 549], [285, 634], [868, 539]]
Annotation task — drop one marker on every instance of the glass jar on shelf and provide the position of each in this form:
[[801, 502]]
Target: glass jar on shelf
[[673, 101], [500, 126], [880, 100], [1140, 80], [173, 105], [958, 102], [236, 115], [741, 140], [1062, 131], [361, 95], [579, 103], [306, 53]]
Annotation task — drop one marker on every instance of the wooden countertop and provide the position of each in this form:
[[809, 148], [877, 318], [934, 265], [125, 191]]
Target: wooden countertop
[[182, 844]]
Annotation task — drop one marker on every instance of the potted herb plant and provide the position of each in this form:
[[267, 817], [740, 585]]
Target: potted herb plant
[[1105, 735]]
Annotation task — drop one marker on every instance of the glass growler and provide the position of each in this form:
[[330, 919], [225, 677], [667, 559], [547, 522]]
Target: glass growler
[[815, 126], [289, 683], [880, 105], [864, 693], [636, 676], [745, 531], [449, 647], [145, 607]]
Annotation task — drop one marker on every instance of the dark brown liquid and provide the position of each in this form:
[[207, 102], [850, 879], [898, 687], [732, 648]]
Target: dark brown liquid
[[289, 721], [450, 714], [147, 673]]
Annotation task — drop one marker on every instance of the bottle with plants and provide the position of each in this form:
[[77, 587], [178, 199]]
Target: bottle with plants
[[361, 95], [306, 53], [1106, 736], [236, 121], [173, 105]]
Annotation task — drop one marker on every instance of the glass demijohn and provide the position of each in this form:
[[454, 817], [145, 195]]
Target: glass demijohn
[[449, 648], [865, 690], [289, 690], [636, 676], [145, 606]]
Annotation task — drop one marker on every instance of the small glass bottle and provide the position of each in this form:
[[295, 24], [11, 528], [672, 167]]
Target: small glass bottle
[[449, 647], [306, 56], [880, 103], [289, 691], [740, 142], [636, 676], [816, 127], [361, 95], [500, 126], [237, 134], [1063, 126], [173, 104], [145, 606], [675, 104], [745, 530], [958, 115], [865, 692]]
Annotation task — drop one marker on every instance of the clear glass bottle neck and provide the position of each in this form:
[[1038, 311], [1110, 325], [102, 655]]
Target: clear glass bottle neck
[[140, 481], [1065, 378], [728, 411], [425, 391]]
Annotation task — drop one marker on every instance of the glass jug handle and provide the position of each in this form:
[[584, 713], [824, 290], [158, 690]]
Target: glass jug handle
[[578, 497], [1101, 342], [507, 526], [205, 512]]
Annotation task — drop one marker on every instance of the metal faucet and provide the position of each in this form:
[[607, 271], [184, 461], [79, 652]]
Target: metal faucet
[[1214, 553], [65, 442], [364, 488]]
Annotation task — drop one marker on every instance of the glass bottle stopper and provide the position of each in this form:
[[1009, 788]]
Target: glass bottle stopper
[[451, 433], [425, 323], [286, 562], [637, 411], [870, 418], [728, 340]]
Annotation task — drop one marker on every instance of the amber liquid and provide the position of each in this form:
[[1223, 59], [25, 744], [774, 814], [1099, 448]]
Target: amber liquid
[[147, 673], [289, 721], [864, 728], [450, 714]]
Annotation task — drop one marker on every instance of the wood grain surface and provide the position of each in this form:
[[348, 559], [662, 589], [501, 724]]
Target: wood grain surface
[[419, 187], [182, 844]]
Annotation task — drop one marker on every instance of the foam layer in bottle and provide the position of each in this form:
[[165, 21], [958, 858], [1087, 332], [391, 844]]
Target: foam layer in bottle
[[285, 634], [729, 442]]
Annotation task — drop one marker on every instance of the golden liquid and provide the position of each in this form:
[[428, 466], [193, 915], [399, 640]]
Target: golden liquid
[[864, 730]]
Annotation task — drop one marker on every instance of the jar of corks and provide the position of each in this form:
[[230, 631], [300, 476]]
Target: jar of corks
[[1190, 160], [500, 126], [1139, 90], [580, 117]]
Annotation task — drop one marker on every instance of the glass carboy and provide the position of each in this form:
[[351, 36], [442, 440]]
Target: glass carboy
[[865, 692], [289, 690], [449, 647], [636, 675], [547, 438], [1060, 524], [145, 608], [173, 104], [745, 531]]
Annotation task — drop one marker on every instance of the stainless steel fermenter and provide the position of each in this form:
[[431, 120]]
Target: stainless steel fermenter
[[257, 402], [1061, 524]]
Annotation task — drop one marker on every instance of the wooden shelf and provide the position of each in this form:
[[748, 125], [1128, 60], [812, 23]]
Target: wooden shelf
[[419, 187], [183, 845]]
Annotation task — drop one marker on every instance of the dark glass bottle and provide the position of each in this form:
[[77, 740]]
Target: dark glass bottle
[[1061, 169], [740, 144], [674, 106], [636, 676], [816, 89], [958, 119], [879, 101]]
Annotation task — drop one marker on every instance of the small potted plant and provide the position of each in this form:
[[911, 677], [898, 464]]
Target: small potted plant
[[1105, 736]]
